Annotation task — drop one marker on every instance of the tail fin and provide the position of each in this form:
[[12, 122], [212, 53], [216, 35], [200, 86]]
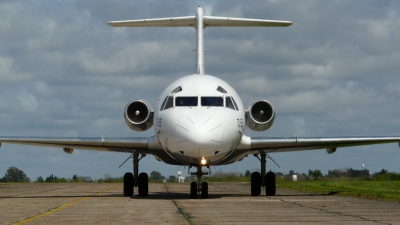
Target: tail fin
[[199, 22]]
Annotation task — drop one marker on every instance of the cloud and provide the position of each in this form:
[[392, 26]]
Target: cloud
[[28, 102]]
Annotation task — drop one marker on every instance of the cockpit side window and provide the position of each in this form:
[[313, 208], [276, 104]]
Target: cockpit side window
[[229, 103], [186, 101], [163, 104], [221, 89], [176, 90], [236, 106], [212, 101], [169, 103]]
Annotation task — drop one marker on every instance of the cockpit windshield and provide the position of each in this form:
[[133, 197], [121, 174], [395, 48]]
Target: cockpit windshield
[[206, 101], [212, 101], [186, 101]]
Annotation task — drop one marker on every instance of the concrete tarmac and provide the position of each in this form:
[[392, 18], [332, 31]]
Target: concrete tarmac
[[228, 203]]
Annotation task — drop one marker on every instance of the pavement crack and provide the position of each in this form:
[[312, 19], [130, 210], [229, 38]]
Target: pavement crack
[[180, 210], [333, 212], [229, 189]]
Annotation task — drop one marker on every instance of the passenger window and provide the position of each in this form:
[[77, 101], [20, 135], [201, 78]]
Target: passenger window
[[212, 101], [236, 106], [163, 104], [229, 103], [170, 102], [186, 101]]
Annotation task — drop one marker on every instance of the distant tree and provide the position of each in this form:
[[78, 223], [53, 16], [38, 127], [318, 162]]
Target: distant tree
[[291, 172], [172, 178], [317, 174], [40, 179], [248, 173], [14, 174], [75, 177], [383, 171], [49, 178], [155, 175], [310, 173], [108, 178], [357, 173], [279, 174]]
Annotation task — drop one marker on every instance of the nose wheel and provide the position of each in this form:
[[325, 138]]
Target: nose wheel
[[199, 187]]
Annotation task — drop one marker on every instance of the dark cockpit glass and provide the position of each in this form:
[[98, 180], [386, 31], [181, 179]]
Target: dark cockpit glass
[[176, 90], [212, 101], [186, 101], [222, 90], [229, 103], [163, 104], [170, 102], [236, 106]]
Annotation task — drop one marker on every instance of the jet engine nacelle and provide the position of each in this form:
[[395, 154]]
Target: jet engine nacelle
[[139, 115], [260, 116]]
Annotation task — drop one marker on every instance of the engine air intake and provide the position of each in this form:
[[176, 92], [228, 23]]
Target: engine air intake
[[138, 115], [260, 116]]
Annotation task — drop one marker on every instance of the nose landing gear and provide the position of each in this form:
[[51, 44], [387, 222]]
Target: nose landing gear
[[199, 187], [264, 179]]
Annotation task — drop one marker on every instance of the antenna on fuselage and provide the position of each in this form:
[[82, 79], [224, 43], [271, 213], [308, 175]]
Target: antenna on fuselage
[[200, 22]]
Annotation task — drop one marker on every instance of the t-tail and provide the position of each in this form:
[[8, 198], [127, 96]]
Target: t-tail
[[200, 22]]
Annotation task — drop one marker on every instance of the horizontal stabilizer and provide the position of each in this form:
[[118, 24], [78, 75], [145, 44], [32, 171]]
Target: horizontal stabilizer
[[199, 22], [213, 21], [187, 21], [209, 21]]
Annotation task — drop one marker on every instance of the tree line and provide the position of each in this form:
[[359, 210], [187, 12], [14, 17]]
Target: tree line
[[14, 174]]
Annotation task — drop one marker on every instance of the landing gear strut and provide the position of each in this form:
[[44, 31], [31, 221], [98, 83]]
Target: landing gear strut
[[264, 179], [136, 180], [199, 187]]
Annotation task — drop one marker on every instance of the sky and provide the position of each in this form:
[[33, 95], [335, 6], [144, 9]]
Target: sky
[[65, 73]]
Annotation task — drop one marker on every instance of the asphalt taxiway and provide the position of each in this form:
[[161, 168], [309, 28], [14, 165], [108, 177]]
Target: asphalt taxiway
[[228, 203]]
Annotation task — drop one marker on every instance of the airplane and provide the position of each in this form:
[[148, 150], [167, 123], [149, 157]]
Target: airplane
[[199, 121]]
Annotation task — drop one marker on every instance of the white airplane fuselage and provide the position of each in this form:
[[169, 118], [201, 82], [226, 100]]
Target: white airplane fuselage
[[206, 119]]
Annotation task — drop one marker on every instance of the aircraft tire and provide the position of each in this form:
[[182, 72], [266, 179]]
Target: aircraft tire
[[204, 190], [143, 184], [128, 184], [255, 184], [193, 190], [270, 184]]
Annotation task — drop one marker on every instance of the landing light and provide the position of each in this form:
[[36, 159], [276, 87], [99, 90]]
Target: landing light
[[203, 161]]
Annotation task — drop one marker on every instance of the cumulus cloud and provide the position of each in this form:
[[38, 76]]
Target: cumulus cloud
[[28, 102]]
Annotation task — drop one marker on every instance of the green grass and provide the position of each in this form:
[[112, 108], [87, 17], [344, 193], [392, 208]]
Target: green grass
[[385, 190]]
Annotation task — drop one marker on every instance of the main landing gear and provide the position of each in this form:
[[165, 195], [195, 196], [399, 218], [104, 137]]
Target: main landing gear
[[266, 180], [199, 187], [141, 181]]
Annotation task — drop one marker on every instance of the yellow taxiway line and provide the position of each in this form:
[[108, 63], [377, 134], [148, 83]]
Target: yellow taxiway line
[[61, 207]]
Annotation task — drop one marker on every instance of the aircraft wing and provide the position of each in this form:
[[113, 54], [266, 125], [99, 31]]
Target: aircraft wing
[[130, 145], [256, 145], [330, 144]]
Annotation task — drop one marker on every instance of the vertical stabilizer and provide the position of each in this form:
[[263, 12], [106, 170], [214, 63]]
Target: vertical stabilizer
[[200, 22], [200, 41]]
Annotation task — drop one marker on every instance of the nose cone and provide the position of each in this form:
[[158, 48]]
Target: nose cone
[[199, 136]]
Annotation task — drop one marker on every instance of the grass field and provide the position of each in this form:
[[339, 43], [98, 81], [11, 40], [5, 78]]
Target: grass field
[[385, 190]]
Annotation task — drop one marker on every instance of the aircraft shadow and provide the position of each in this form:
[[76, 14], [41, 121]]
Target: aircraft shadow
[[162, 195]]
